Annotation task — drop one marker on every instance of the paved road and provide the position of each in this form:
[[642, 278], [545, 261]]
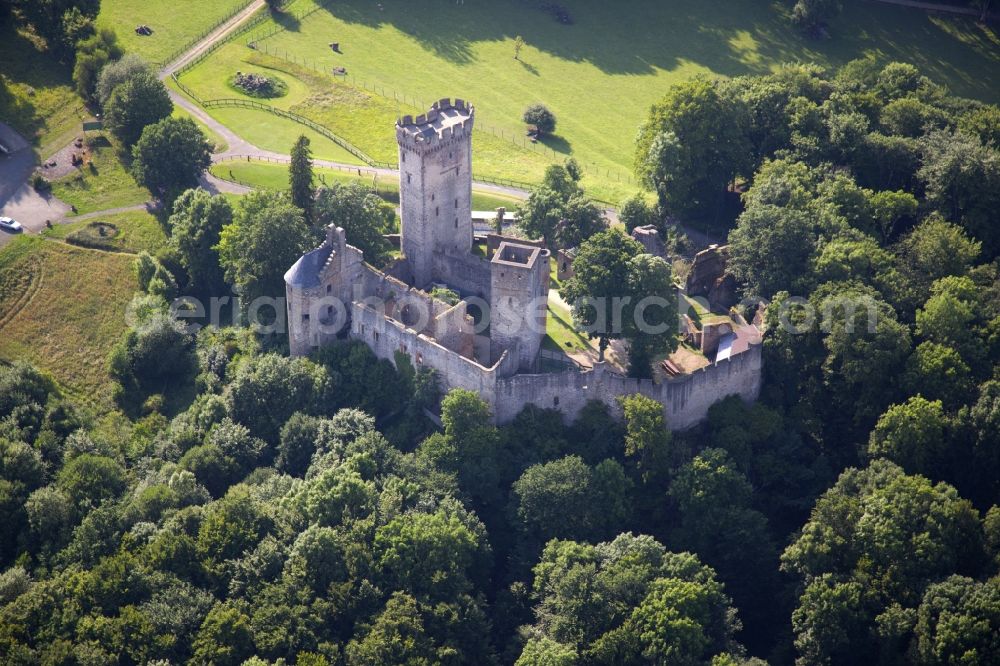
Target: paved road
[[17, 198], [16, 166], [214, 185]]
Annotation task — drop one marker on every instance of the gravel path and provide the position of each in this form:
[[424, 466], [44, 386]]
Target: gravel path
[[219, 33], [148, 206]]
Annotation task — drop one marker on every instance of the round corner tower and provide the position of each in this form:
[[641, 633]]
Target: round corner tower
[[435, 185]]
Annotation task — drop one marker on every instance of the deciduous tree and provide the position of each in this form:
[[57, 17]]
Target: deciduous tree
[[139, 101], [619, 291], [540, 116], [93, 56], [913, 435], [117, 72], [691, 147], [361, 213], [195, 228], [170, 156], [268, 234]]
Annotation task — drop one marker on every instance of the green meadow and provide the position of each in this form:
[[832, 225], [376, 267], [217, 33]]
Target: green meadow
[[599, 75], [101, 183], [175, 23], [275, 177], [36, 92]]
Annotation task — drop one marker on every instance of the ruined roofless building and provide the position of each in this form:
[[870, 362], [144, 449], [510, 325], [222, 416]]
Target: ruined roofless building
[[333, 293]]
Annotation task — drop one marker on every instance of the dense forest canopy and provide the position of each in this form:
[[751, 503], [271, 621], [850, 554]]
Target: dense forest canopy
[[244, 507]]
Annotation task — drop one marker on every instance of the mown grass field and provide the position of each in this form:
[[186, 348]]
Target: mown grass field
[[36, 93], [102, 184], [275, 177], [136, 231], [62, 308], [601, 74], [270, 132], [175, 23], [361, 117]]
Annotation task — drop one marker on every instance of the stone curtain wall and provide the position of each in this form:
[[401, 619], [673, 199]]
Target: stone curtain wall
[[453, 328], [466, 273], [685, 399], [386, 337]]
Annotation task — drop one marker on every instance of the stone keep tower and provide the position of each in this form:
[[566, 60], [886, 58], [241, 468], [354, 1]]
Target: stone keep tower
[[435, 185], [519, 289]]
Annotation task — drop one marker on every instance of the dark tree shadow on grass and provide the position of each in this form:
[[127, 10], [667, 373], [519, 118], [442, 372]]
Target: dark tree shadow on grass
[[556, 143], [287, 21], [26, 70], [446, 30], [98, 141], [531, 69], [643, 36]]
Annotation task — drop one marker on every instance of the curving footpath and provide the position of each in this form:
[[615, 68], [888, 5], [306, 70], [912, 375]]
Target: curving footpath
[[239, 148]]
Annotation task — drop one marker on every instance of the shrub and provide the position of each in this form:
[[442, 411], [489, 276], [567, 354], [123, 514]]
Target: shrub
[[540, 116], [40, 183], [446, 295], [258, 85], [96, 236]]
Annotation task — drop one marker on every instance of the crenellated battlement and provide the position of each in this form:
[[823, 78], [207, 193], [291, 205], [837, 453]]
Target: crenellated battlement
[[445, 122]]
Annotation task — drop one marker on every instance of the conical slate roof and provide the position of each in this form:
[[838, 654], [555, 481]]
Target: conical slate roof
[[304, 273]]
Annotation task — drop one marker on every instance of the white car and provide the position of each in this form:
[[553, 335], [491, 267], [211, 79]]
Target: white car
[[10, 224]]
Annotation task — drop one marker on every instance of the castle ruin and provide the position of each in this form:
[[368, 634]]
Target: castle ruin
[[333, 293]]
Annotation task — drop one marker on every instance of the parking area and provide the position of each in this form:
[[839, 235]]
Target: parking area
[[17, 198]]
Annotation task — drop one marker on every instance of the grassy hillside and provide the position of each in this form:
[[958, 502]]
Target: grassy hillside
[[132, 231], [600, 74], [101, 184], [62, 308], [362, 117], [175, 23], [36, 93], [275, 177]]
